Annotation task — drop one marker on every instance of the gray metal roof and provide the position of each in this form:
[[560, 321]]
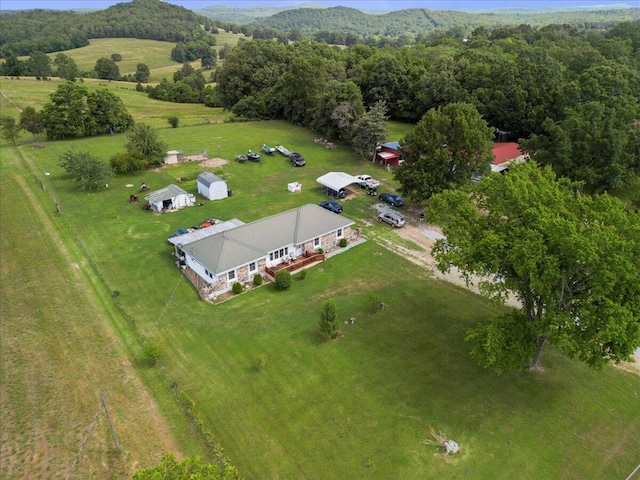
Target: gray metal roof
[[205, 232], [207, 178], [232, 248], [165, 193]]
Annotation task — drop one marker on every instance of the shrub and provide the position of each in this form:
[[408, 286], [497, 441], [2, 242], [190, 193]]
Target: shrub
[[320, 251], [328, 319], [373, 303], [151, 351], [116, 57], [173, 121], [283, 279], [257, 279], [302, 275], [343, 242], [237, 288]]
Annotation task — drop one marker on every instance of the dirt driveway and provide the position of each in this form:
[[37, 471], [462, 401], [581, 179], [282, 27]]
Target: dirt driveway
[[424, 235]]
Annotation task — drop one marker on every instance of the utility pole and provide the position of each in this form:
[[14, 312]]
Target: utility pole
[[113, 429]]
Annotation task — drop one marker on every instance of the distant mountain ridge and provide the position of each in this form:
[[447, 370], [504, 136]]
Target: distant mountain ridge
[[400, 22]]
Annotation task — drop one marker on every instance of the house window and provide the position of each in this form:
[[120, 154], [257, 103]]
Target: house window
[[339, 233], [231, 275], [252, 267], [316, 242]]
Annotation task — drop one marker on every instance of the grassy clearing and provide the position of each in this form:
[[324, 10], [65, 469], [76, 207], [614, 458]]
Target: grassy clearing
[[360, 406], [28, 91], [366, 401], [59, 353], [153, 53]]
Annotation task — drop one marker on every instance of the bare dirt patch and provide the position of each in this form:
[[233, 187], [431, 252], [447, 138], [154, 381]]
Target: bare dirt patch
[[214, 162]]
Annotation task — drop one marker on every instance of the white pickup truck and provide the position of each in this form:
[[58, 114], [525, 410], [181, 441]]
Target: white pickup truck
[[365, 181]]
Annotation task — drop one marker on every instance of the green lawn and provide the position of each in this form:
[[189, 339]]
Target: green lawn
[[365, 402], [358, 407]]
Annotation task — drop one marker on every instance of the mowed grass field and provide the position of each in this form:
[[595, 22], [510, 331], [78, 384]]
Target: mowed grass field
[[361, 406], [61, 347], [153, 53]]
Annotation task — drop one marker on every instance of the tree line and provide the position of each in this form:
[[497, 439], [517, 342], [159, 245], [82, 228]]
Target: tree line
[[566, 94], [52, 31]]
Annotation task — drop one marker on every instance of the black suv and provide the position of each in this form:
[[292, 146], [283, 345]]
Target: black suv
[[297, 160]]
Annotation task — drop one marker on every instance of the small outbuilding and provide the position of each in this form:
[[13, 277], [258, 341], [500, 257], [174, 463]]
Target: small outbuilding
[[169, 198], [507, 154], [211, 186], [389, 154], [173, 157]]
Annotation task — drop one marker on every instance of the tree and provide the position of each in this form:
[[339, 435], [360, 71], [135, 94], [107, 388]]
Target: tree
[[571, 260], [145, 139], [444, 150], [128, 162], [208, 58], [594, 144], [31, 121], [328, 319], [142, 73], [64, 116], [116, 57], [66, 67], [224, 51], [39, 66], [107, 69], [188, 469], [370, 130], [10, 128], [92, 173], [283, 279], [173, 121], [106, 113], [12, 66]]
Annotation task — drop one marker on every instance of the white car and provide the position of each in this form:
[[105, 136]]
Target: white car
[[366, 181]]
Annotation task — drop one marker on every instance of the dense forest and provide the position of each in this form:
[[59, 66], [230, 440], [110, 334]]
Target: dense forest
[[573, 97], [23, 33], [414, 21], [51, 31]]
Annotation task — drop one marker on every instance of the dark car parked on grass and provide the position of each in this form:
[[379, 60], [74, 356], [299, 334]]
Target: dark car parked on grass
[[297, 160], [332, 206], [392, 199]]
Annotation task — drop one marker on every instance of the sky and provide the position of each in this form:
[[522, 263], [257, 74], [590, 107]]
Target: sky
[[361, 4]]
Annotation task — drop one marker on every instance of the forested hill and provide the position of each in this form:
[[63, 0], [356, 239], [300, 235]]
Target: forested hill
[[50, 31], [421, 20]]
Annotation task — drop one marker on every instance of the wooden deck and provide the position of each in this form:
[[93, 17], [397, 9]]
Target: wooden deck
[[296, 265]]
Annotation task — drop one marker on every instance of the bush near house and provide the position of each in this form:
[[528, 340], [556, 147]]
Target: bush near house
[[283, 279]]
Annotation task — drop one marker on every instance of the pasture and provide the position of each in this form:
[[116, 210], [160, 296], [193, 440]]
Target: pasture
[[361, 406]]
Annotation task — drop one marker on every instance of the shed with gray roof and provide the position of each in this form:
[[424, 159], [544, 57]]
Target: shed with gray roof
[[212, 186], [169, 198]]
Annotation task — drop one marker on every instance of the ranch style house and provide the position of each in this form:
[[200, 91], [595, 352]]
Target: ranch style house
[[236, 253]]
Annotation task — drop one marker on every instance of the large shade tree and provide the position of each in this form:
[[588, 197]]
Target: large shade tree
[[444, 150], [572, 261]]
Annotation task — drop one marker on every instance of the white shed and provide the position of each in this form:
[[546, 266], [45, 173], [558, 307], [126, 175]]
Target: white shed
[[169, 198], [212, 186], [173, 157]]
